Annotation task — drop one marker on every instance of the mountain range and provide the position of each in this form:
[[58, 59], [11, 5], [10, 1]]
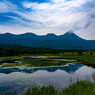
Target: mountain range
[[67, 41]]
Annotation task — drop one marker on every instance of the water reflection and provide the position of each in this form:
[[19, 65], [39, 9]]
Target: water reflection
[[16, 80], [70, 68]]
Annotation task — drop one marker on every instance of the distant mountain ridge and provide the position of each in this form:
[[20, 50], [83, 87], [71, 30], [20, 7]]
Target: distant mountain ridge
[[67, 41]]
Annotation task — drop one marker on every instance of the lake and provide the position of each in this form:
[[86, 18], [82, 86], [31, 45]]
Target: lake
[[17, 80]]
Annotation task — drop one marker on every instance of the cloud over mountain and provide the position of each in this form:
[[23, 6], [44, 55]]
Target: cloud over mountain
[[48, 16]]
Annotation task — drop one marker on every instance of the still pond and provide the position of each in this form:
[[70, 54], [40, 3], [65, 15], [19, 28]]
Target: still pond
[[17, 80]]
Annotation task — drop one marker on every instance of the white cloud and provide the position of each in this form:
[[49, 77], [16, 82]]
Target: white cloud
[[57, 13], [6, 6], [57, 16], [88, 32]]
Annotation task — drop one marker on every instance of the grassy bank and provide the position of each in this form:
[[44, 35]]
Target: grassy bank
[[80, 88], [41, 62], [86, 58]]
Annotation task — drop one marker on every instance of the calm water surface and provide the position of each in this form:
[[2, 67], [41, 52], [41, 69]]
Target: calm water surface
[[16, 80]]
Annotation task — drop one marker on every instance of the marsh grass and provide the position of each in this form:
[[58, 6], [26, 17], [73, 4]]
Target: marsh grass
[[80, 88], [6, 65], [42, 62], [85, 58], [49, 90], [10, 58]]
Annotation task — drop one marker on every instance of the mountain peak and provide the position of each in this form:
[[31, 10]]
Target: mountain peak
[[70, 32], [67, 41], [71, 35], [8, 33], [28, 33], [51, 34]]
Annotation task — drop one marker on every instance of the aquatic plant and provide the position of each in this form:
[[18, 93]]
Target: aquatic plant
[[80, 88]]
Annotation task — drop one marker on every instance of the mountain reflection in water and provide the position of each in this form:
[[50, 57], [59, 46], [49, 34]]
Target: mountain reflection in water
[[17, 80], [70, 68]]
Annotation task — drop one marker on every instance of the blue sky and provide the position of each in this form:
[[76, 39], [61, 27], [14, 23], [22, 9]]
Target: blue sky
[[48, 16]]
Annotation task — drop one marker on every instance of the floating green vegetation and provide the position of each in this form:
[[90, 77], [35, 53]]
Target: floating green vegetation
[[10, 58], [42, 62], [7, 65], [36, 62], [80, 88], [86, 57]]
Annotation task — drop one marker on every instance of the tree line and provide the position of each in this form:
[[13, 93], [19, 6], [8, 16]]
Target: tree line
[[16, 51]]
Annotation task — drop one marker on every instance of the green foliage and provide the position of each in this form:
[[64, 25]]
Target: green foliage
[[32, 62], [49, 90], [80, 53], [28, 92], [91, 53], [80, 88], [42, 62], [27, 50], [86, 58]]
